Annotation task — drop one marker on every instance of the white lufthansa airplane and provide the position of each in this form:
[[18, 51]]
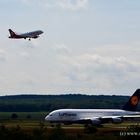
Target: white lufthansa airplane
[[97, 116], [34, 34]]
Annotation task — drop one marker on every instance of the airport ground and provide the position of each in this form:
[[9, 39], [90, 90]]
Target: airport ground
[[31, 125]]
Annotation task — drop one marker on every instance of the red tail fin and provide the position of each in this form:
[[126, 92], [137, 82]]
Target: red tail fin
[[12, 34]]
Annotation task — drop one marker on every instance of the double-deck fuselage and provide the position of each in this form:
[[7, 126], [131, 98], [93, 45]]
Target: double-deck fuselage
[[93, 116]]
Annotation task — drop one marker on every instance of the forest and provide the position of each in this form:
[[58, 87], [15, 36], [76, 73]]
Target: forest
[[47, 103]]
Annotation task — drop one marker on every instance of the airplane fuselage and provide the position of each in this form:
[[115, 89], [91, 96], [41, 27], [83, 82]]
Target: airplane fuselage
[[33, 34], [79, 115]]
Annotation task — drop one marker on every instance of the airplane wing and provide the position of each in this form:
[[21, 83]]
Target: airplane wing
[[117, 119], [105, 119], [131, 116], [29, 36]]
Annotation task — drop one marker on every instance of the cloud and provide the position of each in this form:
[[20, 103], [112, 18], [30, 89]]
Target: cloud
[[25, 55], [104, 68], [61, 49], [73, 4], [96, 71], [34, 43], [2, 55], [64, 4]]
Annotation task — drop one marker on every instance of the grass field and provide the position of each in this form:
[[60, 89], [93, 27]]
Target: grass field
[[23, 115], [108, 130], [36, 125]]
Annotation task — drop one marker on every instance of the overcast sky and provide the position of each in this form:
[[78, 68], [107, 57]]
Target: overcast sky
[[88, 47]]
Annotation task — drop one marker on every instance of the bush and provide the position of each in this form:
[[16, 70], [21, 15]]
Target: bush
[[28, 117], [134, 128], [14, 116], [13, 133], [57, 133], [90, 129]]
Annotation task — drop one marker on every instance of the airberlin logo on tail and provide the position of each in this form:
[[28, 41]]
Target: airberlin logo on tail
[[134, 100]]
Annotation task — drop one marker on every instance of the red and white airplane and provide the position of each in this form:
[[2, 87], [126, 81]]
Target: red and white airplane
[[34, 34]]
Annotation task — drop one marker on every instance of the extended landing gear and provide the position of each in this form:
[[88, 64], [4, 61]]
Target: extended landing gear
[[28, 39]]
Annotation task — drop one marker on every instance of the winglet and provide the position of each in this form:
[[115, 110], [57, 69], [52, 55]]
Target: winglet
[[132, 103]]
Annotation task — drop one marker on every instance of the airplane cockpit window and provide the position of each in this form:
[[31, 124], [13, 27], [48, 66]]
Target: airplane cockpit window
[[51, 115]]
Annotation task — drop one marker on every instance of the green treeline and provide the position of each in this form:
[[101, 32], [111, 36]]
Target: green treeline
[[40, 103]]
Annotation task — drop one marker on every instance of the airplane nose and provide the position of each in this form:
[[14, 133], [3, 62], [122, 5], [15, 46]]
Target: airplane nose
[[47, 118]]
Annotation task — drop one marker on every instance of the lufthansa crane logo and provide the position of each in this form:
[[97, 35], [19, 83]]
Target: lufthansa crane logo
[[134, 100]]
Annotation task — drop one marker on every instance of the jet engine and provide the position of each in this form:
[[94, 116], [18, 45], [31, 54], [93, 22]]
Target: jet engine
[[35, 36], [116, 120], [96, 121]]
